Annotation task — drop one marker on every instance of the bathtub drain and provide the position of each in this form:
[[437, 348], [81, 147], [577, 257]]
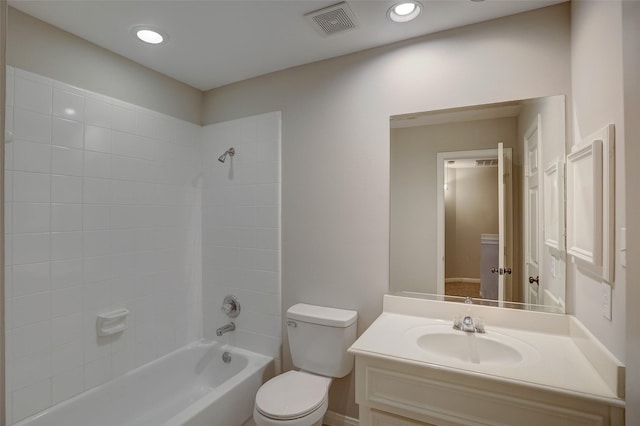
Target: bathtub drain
[[226, 357]]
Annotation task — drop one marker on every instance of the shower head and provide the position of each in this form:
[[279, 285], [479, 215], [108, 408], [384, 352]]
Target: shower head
[[231, 152]]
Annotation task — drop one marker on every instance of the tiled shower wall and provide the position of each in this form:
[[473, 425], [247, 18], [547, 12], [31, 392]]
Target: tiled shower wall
[[102, 212], [241, 230]]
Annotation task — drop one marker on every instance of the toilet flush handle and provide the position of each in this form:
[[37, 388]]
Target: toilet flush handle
[[291, 323]]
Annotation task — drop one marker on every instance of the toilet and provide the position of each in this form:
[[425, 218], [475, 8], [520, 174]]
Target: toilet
[[318, 339]]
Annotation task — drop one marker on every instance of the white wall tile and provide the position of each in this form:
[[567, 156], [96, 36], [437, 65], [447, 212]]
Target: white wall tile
[[66, 189], [31, 187], [97, 139], [241, 222], [67, 384], [66, 217], [97, 372], [32, 94], [123, 242], [96, 269], [9, 86], [30, 369], [8, 151], [66, 161], [95, 217], [30, 278], [129, 145], [30, 339], [97, 164], [102, 212], [66, 357], [8, 187], [30, 248], [122, 361], [31, 156], [97, 191], [96, 243], [66, 245], [66, 273], [31, 217], [267, 238], [97, 111], [66, 329], [124, 119], [31, 399], [67, 133], [8, 249], [31, 126], [68, 103], [65, 303], [268, 216], [37, 78], [31, 309]]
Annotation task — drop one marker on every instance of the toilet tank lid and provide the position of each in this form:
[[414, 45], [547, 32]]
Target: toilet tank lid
[[322, 315]]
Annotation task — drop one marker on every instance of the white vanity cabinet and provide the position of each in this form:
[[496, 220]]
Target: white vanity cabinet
[[398, 393], [524, 368]]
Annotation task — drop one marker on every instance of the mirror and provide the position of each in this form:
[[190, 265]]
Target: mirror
[[450, 172]]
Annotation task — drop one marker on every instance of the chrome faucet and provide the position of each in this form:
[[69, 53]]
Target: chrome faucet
[[467, 324], [225, 329]]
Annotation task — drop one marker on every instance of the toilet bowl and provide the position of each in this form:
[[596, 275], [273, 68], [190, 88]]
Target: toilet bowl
[[318, 339], [295, 398]]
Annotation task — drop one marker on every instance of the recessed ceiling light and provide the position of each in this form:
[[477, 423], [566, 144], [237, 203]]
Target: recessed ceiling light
[[405, 11], [149, 35]]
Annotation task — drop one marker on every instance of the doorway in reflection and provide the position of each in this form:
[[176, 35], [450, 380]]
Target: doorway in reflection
[[471, 227], [418, 253]]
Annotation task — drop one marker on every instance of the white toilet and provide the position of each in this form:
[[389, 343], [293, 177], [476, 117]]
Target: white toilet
[[318, 338]]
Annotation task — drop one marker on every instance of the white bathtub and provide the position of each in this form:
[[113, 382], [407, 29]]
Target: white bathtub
[[191, 386]]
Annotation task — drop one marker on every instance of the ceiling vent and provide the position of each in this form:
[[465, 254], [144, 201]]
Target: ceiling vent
[[333, 19], [489, 162]]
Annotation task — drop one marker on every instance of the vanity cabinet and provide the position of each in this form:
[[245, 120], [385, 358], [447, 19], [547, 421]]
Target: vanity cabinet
[[395, 392]]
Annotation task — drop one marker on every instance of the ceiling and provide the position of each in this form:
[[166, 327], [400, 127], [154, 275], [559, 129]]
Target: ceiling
[[456, 115], [217, 42]]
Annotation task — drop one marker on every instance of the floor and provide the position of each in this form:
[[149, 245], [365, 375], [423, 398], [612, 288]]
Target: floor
[[250, 422], [463, 289]]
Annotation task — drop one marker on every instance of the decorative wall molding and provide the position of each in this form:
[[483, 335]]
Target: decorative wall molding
[[591, 202]]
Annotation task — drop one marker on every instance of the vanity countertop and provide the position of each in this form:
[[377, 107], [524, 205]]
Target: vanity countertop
[[564, 357]]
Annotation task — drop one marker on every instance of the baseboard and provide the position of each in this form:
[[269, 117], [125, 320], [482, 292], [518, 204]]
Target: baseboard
[[462, 280], [332, 418]]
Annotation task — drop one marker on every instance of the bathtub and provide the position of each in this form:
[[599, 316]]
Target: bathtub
[[191, 386]]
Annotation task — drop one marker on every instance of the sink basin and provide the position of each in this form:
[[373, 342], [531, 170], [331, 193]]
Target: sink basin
[[445, 343]]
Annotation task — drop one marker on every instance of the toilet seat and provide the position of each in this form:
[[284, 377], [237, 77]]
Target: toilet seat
[[292, 395]]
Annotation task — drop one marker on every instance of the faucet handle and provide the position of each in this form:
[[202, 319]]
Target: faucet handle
[[231, 306], [457, 322]]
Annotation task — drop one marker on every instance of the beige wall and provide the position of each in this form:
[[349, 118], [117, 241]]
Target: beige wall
[[631, 67], [413, 193], [335, 144], [597, 87], [474, 211], [36, 46], [3, 68]]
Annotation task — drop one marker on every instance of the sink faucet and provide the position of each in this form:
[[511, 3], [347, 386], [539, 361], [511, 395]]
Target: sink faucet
[[225, 329], [468, 325]]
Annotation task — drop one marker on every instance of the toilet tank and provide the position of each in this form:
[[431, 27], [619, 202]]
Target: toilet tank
[[319, 338]]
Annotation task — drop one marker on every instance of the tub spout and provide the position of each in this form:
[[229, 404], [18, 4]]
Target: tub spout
[[225, 329]]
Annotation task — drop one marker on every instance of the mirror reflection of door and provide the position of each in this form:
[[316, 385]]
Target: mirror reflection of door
[[532, 231], [472, 235], [417, 226], [505, 226]]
